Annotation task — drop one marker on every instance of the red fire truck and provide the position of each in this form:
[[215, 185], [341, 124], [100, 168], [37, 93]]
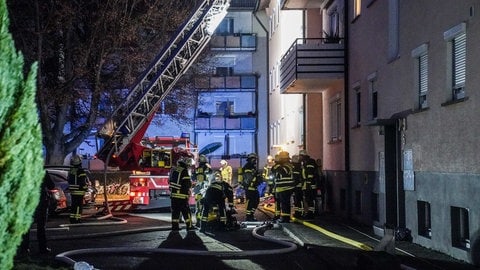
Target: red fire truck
[[149, 183]]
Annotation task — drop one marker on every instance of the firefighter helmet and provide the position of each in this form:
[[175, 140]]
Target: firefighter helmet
[[202, 159], [303, 152], [223, 162], [284, 155], [269, 158], [252, 156], [76, 160], [218, 176], [185, 161]]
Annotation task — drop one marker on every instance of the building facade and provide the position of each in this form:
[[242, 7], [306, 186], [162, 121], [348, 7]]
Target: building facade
[[394, 128], [412, 103]]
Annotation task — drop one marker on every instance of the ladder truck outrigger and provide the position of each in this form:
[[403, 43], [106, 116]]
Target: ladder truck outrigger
[[124, 145]]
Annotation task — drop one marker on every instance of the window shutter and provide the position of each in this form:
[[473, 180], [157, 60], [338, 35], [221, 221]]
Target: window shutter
[[459, 60], [423, 73]]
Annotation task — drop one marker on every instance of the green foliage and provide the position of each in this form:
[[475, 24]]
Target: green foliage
[[21, 163]]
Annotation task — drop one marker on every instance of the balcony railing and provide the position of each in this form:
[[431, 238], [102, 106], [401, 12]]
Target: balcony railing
[[234, 42], [220, 122], [236, 83], [312, 65]]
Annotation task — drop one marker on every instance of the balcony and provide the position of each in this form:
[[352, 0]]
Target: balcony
[[234, 42], [312, 65], [302, 4], [207, 122]]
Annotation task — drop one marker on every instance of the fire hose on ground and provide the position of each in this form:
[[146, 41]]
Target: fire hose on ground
[[257, 233]]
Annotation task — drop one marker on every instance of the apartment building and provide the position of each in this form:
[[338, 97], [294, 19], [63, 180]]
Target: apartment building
[[307, 82], [231, 109], [413, 143]]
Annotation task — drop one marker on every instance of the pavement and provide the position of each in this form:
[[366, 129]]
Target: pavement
[[348, 235], [344, 243]]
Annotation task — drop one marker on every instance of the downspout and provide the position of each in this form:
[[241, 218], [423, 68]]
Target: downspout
[[346, 110], [304, 96], [267, 81]]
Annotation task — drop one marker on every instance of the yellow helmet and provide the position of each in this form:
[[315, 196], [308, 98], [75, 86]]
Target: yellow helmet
[[284, 155]]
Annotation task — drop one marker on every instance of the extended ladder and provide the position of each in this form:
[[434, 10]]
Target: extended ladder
[[129, 122]]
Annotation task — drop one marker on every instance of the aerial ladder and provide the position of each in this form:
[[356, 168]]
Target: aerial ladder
[[129, 122]]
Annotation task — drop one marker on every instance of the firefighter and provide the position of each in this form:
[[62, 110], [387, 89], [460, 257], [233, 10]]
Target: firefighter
[[269, 177], [251, 178], [201, 182], [78, 181], [284, 185], [180, 184], [214, 197], [230, 210], [226, 171], [310, 177], [298, 191]]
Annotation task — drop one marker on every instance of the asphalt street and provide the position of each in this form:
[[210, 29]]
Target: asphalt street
[[144, 241]]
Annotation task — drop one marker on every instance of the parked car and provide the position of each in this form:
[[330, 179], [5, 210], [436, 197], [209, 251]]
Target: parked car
[[61, 199]]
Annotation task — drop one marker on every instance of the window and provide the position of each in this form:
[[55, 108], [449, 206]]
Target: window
[[421, 81], [460, 227], [358, 104], [357, 8], [372, 79], [223, 71], [459, 55], [335, 119], [424, 219], [457, 50], [225, 27], [333, 24]]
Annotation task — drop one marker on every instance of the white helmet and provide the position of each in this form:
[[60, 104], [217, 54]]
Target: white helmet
[[223, 162]]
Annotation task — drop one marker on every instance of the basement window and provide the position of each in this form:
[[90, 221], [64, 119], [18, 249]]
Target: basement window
[[424, 219], [460, 227]]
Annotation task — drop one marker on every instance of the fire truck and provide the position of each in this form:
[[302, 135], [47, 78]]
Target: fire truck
[[149, 183], [123, 133]]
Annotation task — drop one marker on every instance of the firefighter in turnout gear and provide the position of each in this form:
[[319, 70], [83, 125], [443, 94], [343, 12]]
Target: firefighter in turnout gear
[[269, 176], [298, 191], [77, 180], [201, 182], [309, 187], [250, 179], [180, 184], [214, 197], [284, 185]]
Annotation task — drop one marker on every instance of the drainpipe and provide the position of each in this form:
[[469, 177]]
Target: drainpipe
[[304, 96], [267, 81], [346, 112]]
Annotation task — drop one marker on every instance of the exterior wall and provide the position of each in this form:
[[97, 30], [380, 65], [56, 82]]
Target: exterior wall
[[441, 138], [286, 110]]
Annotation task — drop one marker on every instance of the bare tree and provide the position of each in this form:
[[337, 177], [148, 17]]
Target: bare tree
[[89, 52]]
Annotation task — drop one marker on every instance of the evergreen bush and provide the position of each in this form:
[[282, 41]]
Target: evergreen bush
[[21, 162]]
